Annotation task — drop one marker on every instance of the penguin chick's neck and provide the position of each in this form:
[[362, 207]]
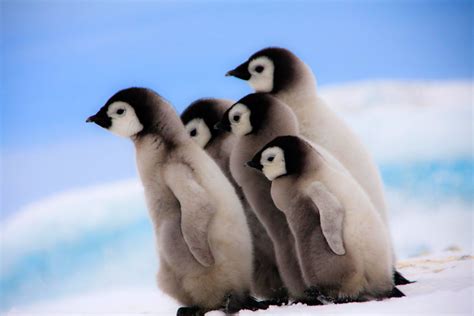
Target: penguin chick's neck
[[279, 121], [310, 164], [302, 90], [166, 128], [219, 147]]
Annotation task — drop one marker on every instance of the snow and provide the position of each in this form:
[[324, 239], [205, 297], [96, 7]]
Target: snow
[[402, 121], [444, 285], [92, 250], [91, 212]]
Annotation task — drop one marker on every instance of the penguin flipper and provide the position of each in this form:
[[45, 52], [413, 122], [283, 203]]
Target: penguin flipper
[[331, 214], [399, 279], [196, 211]]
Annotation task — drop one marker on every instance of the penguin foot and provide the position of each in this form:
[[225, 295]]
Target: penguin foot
[[314, 294], [279, 297], [233, 304], [346, 300], [252, 304], [395, 293], [278, 301], [308, 301], [190, 311], [400, 279]]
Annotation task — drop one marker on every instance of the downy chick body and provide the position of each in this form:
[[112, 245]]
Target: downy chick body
[[201, 232], [342, 243], [255, 120], [281, 73], [199, 119]]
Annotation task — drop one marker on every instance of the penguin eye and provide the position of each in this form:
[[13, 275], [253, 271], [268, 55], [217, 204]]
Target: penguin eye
[[259, 68], [193, 132], [120, 111], [236, 118], [271, 158]]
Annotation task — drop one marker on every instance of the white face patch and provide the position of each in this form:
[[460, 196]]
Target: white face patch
[[261, 74], [198, 131], [239, 118], [273, 162], [125, 122]]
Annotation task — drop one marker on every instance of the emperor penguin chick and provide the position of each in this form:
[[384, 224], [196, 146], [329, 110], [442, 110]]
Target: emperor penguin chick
[[279, 72], [199, 119], [342, 243], [255, 120], [202, 235]]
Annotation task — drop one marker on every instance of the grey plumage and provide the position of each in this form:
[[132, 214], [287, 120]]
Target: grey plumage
[[342, 242], [281, 73], [202, 236], [268, 118], [266, 280], [288, 78]]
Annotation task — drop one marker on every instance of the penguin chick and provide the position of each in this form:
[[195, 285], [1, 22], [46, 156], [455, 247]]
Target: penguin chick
[[203, 240], [199, 119], [342, 243], [255, 120], [279, 72]]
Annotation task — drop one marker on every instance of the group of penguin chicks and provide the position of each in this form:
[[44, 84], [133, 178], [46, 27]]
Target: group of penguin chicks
[[271, 196]]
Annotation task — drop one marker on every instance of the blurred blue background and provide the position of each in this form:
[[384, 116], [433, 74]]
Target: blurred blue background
[[61, 60]]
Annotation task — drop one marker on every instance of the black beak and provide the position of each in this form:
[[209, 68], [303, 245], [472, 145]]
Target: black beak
[[91, 119], [101, 119], [240, 72], [253, 164], [222, 127]]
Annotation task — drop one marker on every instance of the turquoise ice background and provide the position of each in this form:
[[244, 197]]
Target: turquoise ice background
[[72, 215]]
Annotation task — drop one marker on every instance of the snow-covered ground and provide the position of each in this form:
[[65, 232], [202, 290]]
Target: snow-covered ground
[[92, 250], [444, 286]]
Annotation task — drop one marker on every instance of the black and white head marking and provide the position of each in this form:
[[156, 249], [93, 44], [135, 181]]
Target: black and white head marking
[[247, 115], [282, 156], [239, 119], [126, 113], [199, 131], [268, 70], [199, 119], [273, 164]]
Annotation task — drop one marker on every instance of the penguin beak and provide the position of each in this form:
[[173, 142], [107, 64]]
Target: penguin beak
[[240, 72], [222, 127], [254, 164], [101, 119], [91, 119]]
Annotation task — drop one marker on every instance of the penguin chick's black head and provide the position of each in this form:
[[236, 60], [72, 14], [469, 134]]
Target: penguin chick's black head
[[293, 149], [257, 103], [283, 72], [209, 110], [127, 112]]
